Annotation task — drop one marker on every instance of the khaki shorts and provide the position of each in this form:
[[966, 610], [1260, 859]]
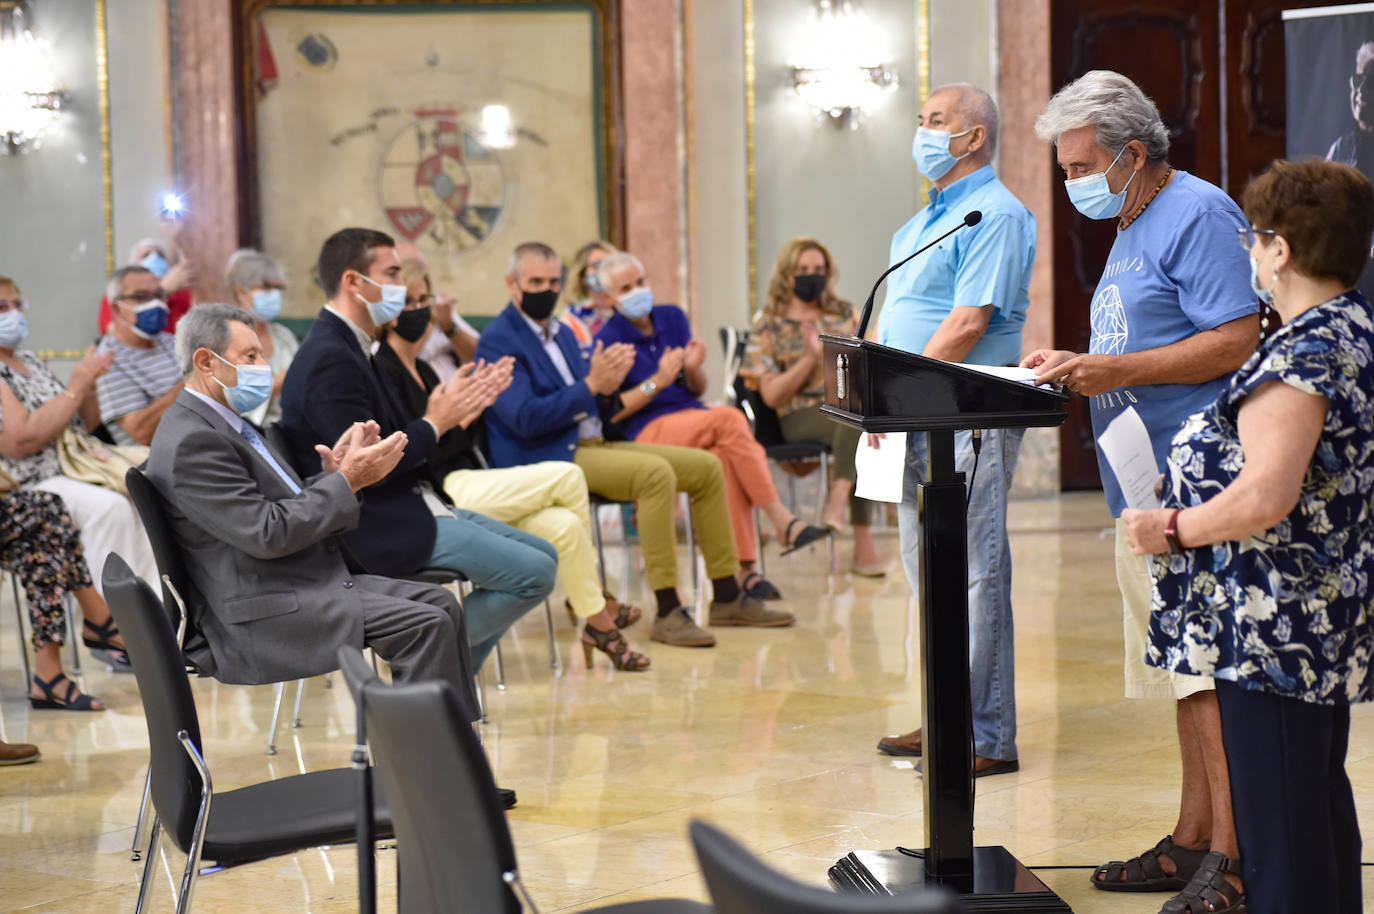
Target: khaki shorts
[[1143, 680]]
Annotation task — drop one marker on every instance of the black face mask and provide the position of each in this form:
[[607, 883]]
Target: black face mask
[[538, 305], [411, 325], [808, 286]]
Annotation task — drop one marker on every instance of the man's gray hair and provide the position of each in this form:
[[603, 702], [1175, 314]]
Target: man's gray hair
[[206, 326], [1364, 55], [251, 269], [115, 285], [613, 262], [976, 108], [1113, 105], [528, 249]]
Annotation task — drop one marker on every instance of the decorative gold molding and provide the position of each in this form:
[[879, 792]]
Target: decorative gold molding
[[49, 355], [102, 81], [750, 215]]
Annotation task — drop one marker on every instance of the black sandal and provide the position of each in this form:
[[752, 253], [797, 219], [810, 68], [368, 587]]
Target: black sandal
[[808, 535], [759, 587], [614, 646], [1208, 892], [102, 646], [1144, 874], [50, 701]]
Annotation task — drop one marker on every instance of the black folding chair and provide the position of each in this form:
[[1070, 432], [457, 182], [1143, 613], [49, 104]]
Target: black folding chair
[[453, 843], [230, 828], [741, 884]]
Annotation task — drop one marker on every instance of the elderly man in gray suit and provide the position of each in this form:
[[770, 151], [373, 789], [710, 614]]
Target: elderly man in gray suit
[[274, 596]]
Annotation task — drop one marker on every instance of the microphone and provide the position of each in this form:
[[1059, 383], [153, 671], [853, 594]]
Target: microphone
[[973, 217]]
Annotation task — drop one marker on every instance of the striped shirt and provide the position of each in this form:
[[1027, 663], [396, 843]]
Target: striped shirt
[[135, 379]]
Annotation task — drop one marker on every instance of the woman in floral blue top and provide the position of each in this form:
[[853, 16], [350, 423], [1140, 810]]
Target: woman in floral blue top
[[1264, 573]]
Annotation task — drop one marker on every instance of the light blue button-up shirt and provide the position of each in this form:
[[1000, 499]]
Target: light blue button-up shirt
[[987, 264]]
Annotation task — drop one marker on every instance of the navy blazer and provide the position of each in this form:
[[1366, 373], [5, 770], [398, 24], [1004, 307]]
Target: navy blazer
[[536, 418], [329, 386]]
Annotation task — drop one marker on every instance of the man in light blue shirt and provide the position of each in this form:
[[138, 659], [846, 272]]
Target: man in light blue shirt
[[965, 300]]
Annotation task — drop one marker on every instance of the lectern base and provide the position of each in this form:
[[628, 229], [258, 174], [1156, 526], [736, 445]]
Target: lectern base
[[1000, 882]]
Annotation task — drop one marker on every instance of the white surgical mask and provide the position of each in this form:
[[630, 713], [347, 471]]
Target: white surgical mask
[[1093, 197], [13, 328], [387, 308]]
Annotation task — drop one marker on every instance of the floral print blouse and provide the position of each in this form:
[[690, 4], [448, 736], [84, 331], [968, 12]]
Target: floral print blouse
[[1287, 611], [777, 343], [33, 387]]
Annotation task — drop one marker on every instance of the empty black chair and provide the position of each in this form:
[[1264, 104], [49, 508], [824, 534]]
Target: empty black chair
[[239, 826], [454, 846], [741, 884]]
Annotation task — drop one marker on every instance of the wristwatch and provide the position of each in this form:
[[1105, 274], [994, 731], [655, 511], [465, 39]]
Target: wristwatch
[[648, 387], [1171, 534]]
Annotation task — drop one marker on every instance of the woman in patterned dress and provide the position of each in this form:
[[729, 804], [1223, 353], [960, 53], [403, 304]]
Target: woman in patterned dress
[[39, 544], [1264, 549]]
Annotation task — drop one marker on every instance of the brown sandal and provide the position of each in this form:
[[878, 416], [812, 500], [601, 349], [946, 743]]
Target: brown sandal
[[614, 646], [1208, 892], [1144, 874], [625, 616]]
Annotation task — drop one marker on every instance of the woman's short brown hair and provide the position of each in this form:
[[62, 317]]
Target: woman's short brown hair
[[1325, 210]]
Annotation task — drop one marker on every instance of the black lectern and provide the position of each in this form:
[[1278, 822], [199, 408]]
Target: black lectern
[[880, 389]]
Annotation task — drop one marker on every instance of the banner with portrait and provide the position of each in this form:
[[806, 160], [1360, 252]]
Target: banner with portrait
[[463, 129], [1330, 63]]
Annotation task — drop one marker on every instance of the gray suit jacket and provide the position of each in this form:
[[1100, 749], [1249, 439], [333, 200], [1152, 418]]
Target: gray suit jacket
[[274, 597]]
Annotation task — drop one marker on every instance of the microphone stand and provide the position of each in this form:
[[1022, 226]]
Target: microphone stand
[[973, 217]]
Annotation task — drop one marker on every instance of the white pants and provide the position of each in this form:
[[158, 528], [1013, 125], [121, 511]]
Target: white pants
[[108, 523]]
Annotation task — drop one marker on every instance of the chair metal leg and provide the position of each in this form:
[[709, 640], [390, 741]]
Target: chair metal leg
[[280, 689], [548, 629], [73, 633], [481, 695], [19, 622], [329, 683], [134, 853], [154, 839], [296, 712], [188, 877], [792, 493], [824, 498], [758, 546], [500, 668], [691, 543], [600, 553]]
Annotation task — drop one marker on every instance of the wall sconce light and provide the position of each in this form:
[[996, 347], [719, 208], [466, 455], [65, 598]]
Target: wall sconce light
[[29, 99], [840, 72], [496, 129]]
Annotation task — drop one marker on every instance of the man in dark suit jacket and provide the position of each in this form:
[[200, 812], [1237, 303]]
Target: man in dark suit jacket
[[406, 523], [550, 412], [273, 595]]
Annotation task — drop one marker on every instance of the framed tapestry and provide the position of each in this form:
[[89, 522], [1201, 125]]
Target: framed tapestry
[[463, 127]]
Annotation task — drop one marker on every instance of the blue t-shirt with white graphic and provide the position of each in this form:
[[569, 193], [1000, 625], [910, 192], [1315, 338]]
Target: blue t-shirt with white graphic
[[1175, 271]]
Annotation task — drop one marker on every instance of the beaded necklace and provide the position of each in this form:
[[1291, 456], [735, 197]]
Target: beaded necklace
[[1154, 193]]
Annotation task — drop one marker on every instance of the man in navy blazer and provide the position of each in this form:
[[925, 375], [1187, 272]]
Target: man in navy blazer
[[550, 412], [407, 522]]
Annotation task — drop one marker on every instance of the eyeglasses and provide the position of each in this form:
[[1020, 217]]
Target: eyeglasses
[[141, 298], [14, 304], [1248, 235]]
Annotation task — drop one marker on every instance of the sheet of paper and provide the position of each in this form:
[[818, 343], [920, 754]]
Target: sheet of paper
[[880, 469], [1126, 444], [1006, 373]]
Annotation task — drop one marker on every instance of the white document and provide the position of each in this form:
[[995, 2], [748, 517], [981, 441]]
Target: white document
[[1006, 373], [880, 469], [1126, 444]]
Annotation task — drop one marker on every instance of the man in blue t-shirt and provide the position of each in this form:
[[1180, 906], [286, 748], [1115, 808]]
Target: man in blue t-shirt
[[1173, 316], [965, 300]]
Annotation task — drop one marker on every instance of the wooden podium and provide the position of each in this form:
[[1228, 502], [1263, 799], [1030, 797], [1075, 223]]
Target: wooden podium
[[880, 389]]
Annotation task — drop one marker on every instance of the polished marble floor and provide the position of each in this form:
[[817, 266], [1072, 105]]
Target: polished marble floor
[[769, 735]]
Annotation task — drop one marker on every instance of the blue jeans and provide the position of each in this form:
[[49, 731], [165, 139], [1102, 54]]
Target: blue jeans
[[992, 673], [511, 573]]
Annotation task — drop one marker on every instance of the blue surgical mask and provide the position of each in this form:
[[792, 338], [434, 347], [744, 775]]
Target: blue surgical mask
[[253, 389], [930, 151], [387, 308], [13, 328], [266, 304], [1265, 295], [637, 303], [149, 318], [156, 264], [1092, 196]]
